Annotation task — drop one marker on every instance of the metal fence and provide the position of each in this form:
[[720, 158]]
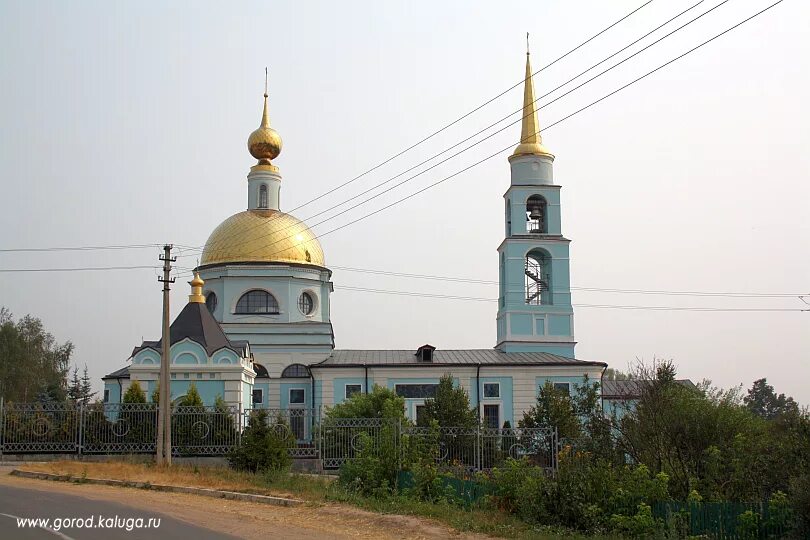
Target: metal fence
[[114, 428], [131, 428]]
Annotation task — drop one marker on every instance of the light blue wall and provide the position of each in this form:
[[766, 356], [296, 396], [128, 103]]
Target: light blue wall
[[339, 387], [208, 390], [522, 327], [265, 387], [284, 397], [506, 398], [114, 392]]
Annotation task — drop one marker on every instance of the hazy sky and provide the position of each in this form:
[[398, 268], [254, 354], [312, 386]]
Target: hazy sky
[[125, 123]]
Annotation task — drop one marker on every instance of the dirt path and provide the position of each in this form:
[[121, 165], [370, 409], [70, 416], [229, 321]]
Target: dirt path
[[251, 520]]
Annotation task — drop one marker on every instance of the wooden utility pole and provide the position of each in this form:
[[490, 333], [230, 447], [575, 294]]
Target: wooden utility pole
[[164, 427]]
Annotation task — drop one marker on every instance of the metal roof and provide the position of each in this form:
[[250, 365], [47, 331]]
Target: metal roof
[[469, 357], [632, 388], [122, 373]]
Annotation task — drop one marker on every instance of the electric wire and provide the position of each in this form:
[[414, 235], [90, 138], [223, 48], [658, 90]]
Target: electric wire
[[459, 143], [591, 104]]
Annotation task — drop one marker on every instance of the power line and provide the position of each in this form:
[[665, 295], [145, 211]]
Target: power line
[[79, 248], [590, 289], [79, 269], [459, 143], [465, 169], [596, 306]]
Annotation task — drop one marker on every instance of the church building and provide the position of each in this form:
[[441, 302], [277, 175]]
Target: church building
[[257, 329]]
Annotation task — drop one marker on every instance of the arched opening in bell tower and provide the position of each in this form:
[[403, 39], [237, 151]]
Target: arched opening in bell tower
[[536, 215], [538, 278]]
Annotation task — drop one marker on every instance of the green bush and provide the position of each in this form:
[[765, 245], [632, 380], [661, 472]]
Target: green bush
[[367, 473], [640, 525], [263, 447]]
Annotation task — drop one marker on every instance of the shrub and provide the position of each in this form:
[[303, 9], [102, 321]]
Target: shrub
[[367, 473], [134, 393], [263, 447], [640, 525]]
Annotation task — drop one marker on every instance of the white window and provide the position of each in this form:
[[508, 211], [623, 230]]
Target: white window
[[258, 396], [263, 196], [564, 387], [296, 396], [492, 390], [352, 389]]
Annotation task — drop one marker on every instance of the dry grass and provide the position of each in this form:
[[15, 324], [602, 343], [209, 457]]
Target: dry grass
[[188, 475]]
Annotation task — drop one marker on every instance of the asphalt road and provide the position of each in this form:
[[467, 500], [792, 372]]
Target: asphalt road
[[31, 503]]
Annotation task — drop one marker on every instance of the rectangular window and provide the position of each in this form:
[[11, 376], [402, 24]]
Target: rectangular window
[[492, 390], [212, 375], [564, 387], [416, 391], [185, 375], [174, 375], [352, 389], [106, 396], [258, 396], [492, 416], [420, 415], [199, 375], [296, 396]]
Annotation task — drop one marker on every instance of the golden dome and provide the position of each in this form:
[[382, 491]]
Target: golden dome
[[264, 143], [262, 236]]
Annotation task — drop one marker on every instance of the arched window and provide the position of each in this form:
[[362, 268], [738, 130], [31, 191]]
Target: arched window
[[263, 196], [211, 302], [306, 303], [295, 371], [257, 302], [261, 371], [538, 278], [536, 216]]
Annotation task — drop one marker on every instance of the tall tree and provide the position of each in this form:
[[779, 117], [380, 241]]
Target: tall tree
[[86, 388], [32, 364], [74, 387], [450, 406], [763, 401]]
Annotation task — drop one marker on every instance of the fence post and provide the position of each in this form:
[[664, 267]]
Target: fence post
[[478, 448], [2, 427], [80, 419]]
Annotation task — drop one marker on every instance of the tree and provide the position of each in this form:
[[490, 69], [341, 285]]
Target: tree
[[32, 364], [192, 397], [86, 388], [263, 447], [74, 387], [763, 401], [134, 393], [553, 409], [450, 407], [615, 375], [380, 403]]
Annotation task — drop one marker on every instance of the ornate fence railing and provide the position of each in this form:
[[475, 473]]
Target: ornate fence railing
[[301, 423], [67, 428], [114, 428]]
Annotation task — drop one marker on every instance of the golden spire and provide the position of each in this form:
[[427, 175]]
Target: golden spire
[[265, 143], [531, 142], [196, 296]]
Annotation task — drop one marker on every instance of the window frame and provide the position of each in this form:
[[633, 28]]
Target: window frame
[[484, 414], [484, 390], [212, 307], [264, 197], [253, 396], [560, 384], [246, 310], [431, 396], [106, 395], [346, 389], [311, 297], [303, 396]]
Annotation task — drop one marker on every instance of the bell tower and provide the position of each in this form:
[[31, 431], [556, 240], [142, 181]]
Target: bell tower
[[534, 304]]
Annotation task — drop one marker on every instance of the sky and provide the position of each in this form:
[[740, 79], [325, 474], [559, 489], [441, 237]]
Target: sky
[[125, 123]]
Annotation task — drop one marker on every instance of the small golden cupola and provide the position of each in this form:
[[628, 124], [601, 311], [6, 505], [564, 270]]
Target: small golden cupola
[[196, 296], [265, 143], [531, 142]]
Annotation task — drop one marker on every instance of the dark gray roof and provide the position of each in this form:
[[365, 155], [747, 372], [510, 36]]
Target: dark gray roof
[[468, 357], [196, 323], [122, 373], [632, 388]]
